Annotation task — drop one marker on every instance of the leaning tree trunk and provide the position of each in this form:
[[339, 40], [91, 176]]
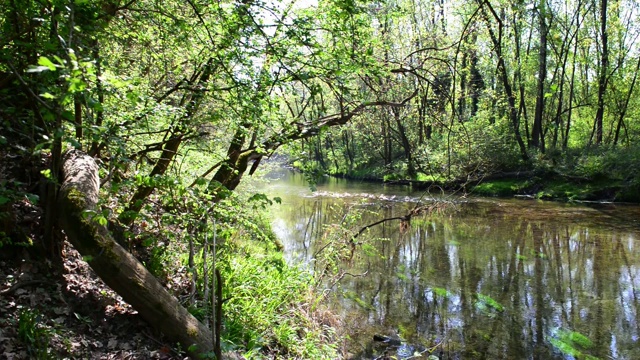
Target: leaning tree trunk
[[117, 267]]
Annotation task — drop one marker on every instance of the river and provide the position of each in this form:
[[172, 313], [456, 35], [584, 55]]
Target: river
[[476, 278]]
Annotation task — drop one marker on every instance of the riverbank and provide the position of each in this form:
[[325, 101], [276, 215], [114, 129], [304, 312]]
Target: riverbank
[[441, 280], [525, 184]]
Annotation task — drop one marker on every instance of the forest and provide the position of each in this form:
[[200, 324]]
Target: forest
[[133, 131]]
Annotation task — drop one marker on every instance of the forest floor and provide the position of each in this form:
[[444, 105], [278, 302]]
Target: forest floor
[[69, 313], [57, 311]]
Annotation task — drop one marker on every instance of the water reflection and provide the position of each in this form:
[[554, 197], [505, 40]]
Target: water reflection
[[496, 279]]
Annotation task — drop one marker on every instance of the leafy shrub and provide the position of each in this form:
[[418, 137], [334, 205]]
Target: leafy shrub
[[618, 163]]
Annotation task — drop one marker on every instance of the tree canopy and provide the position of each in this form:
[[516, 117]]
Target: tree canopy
[[177, 101]]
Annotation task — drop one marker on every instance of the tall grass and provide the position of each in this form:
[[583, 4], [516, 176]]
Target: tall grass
[[270, 309]]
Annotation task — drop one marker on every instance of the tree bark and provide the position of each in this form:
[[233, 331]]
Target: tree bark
[[625, 106], [406, 144], [537, 136], [119, 269], [603, 72], [504, 77]]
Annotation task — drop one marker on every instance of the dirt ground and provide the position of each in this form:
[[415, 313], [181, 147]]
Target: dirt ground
[[69, 314]]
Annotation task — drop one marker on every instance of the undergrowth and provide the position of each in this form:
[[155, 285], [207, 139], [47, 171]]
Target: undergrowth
[[269, 307], [34, 334]]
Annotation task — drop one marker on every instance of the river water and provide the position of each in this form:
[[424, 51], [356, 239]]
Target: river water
[[475, 278]]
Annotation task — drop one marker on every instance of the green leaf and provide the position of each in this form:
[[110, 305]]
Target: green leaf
[[101, 220], [565, 348], [72, 55], [76, 85], [43, 61], [490, 302], [4, 200], [574, 337], [75, 143], [59, 59], [33, 198], [441, 292]]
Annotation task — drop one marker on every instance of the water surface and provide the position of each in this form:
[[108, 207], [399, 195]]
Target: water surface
[[481, 279]]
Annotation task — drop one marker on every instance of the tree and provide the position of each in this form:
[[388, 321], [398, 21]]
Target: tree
[[603, 72], [537, 137], [141, 84], [496, 40], [117, 267]]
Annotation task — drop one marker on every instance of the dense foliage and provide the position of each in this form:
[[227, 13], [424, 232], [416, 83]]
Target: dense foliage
[[178, 100], [497, 86]]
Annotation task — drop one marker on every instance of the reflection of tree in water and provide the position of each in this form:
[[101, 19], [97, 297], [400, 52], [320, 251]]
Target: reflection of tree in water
[[554, 275]]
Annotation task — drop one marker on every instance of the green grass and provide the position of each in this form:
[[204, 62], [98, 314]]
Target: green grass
[[427, 178], [560, 189], [500, 187], [270, 308], [573, 191], [392, 177], [34, 334]]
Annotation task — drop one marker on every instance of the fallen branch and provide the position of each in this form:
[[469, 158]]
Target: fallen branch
[[405, 219]]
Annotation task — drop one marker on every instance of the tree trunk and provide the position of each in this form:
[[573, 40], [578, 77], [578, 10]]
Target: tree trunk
[[602, 76], [477, 82], [386, 141], [169, 150], [565, 143], [537, 137], [504, 77], [625, 106], [170, 147], [117, 267], [406, 144]]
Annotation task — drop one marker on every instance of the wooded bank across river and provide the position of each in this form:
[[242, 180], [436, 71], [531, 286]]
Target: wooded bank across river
[[525, 184], [179, 103]]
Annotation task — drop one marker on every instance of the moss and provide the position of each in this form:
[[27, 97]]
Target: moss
[[192, 331], [77, 199]]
